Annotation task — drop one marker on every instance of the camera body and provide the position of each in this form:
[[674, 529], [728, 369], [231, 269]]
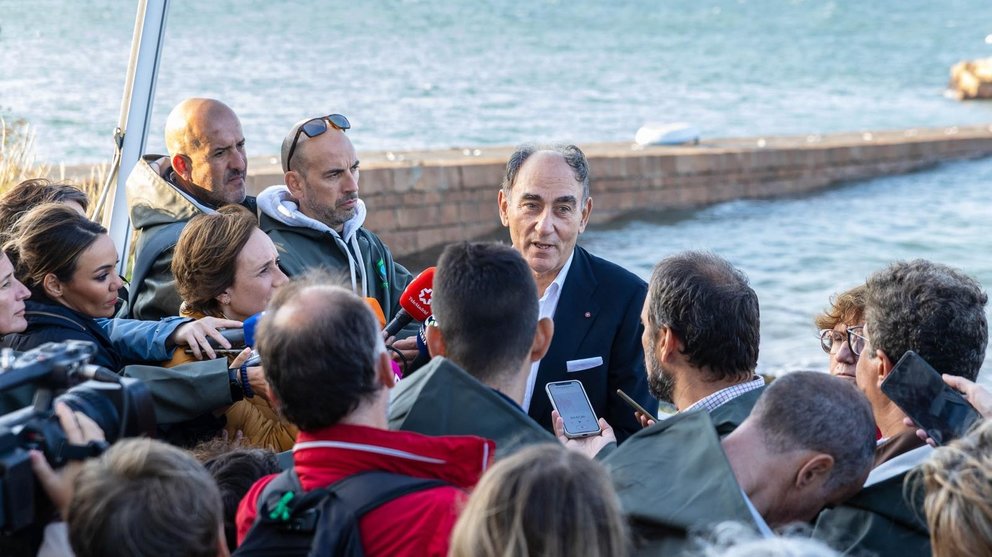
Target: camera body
[[59, 372]]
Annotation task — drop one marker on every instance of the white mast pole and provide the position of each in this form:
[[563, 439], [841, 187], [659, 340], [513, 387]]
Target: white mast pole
[[136, 112]]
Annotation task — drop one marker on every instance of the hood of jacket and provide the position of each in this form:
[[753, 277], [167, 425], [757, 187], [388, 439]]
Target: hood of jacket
[[153, 199], [278, 204]]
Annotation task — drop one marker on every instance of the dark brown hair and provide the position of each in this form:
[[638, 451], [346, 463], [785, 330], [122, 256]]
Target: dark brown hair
[[50, 239], [27, 195]]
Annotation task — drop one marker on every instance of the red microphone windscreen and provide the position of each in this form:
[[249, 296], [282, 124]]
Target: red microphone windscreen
[[416, 299], [377, 310]]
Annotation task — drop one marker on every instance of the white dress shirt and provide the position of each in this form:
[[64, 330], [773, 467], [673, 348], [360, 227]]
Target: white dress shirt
[[548, 304]]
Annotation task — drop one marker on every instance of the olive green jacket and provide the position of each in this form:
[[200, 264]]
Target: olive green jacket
[[442, 399], [673, 478]]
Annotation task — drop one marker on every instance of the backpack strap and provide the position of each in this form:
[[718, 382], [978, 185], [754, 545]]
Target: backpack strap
[[330, 514]]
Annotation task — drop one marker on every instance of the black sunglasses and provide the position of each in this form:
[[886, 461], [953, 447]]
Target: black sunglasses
[[315, 127]]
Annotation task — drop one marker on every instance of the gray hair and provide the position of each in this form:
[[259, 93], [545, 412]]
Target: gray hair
[[573, 156], [733, 539], [932, 309], [811, 410]]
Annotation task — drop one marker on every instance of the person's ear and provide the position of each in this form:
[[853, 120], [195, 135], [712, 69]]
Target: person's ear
[[384, 370], [52, 286], [224, 298], [435, 342], [182, 166], [883, 365], [666, 344], [814, 472], [586, 211], [542, 338], [504, 206], [294, 183]]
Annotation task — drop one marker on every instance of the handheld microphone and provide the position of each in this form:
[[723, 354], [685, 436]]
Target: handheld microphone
[[415, 303]]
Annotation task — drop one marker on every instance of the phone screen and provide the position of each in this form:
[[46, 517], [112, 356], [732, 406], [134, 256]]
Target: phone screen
[[570, 400], [918, 389]]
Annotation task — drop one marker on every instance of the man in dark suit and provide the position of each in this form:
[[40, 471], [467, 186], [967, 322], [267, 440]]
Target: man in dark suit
[[595, 304]]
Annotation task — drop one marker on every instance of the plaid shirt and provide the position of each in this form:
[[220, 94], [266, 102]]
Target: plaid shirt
[[724, 396]]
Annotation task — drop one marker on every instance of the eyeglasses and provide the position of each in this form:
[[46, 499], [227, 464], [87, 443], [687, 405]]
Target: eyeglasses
[[856, 340], [831, 340], [314, 127]]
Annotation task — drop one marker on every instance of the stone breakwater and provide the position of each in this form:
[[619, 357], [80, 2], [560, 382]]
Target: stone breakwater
[[419, 201]]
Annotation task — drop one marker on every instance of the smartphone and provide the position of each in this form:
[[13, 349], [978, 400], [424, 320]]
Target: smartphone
[[570, 400], [919, 390], [633, 404]]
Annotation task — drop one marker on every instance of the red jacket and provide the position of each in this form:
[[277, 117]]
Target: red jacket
[[416, 524]]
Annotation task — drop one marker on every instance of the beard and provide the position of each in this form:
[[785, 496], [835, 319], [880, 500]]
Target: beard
[[660, 383]]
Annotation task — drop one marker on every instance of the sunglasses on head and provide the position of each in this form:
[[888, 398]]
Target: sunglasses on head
[[314, 127]]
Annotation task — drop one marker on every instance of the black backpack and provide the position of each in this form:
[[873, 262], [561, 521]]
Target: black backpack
[[323, 521]]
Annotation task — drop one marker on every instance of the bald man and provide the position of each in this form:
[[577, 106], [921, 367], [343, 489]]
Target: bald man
[[317, 218], [206, 169]]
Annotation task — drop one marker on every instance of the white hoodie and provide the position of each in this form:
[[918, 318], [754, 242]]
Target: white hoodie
[[278, 204]]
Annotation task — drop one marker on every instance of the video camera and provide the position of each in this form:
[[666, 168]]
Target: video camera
[[59, 372]]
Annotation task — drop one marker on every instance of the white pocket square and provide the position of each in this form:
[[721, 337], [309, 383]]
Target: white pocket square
[[583, 364]]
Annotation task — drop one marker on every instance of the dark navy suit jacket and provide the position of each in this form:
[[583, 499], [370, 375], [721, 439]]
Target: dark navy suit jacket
[[598, 316]]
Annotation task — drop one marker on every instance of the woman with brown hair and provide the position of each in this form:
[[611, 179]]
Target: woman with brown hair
[[226, 267], [847, 310], [543, 501]]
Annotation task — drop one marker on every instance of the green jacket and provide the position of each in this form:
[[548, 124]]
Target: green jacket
[[674, 477], [442, 399], [729, 415], [885, 518], [301, 248]]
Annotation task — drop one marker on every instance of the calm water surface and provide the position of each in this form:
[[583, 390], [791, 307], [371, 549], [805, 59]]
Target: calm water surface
[[797, 252]]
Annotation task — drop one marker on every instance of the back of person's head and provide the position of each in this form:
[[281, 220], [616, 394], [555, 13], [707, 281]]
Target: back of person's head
[[733, 539], [206, 256], [932, 309], [544, 501], [235, 472], [49, 239], [143, 497], [709, 305], [813, 411], [484, 292], [958, 495], [848, 307], [23, 197], [320, 345]]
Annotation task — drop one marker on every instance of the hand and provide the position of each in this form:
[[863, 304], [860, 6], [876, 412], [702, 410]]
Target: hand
[[589, 446], [646, 421], [79, 430], [256, 375], [407, 347], [194, 334], [975, 394]]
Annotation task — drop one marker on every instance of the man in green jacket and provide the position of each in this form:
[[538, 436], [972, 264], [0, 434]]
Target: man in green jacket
[[487, 334], [808, 443], [316, 219], [205, 170]]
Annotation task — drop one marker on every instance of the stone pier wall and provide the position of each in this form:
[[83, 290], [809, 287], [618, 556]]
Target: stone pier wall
[[419, 201]]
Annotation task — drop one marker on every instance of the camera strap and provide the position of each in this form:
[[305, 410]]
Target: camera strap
[[67, 451]]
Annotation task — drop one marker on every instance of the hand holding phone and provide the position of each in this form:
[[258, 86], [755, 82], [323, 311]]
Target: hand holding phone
[[569, 399], [921, 393]]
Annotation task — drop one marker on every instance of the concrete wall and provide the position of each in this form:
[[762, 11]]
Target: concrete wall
[[420, 201]]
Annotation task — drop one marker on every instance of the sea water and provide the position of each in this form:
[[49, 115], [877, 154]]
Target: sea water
[[461, 73]]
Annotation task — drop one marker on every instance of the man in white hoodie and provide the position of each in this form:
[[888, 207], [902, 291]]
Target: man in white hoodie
[[315, 219]]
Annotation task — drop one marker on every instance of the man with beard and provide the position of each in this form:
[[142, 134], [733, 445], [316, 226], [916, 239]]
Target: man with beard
[[206, 169], [316, 218], [701, 336]]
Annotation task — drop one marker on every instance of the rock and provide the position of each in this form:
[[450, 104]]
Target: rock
[[972, 79]]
